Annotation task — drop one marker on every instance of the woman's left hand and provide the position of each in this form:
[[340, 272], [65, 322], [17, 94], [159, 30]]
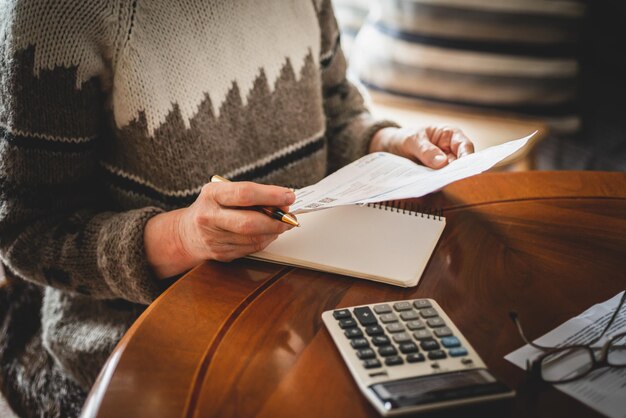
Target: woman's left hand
[[432, 146]]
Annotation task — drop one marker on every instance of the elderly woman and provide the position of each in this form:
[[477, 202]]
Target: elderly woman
[[113, 116]]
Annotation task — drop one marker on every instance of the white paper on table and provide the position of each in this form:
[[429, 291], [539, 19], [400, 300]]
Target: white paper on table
[[382, 176], [603, 389]]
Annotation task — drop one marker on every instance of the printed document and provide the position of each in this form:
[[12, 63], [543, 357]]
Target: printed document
[[603, 389], [382, 176]]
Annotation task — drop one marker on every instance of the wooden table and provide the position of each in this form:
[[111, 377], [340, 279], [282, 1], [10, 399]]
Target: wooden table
[[246, 339]]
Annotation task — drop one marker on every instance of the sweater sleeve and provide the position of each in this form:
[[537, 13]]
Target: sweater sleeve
[[57, 227], [349, 125]]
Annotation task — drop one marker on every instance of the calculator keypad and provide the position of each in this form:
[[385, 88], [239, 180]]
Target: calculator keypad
[[353, 332], [392, 334], [388, 317]]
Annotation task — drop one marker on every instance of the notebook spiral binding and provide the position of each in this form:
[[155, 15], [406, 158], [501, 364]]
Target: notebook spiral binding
[[409, 208]]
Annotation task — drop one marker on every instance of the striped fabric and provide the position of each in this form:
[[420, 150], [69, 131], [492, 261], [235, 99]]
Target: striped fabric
[[516, 56]]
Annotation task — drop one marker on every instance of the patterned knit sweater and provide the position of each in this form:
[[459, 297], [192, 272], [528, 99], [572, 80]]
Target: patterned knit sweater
[[112, 111]]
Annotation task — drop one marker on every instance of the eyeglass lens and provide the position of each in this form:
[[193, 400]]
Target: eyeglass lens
[[616, 354], [566, 364]]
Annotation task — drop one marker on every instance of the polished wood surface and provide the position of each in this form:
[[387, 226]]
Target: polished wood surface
[[245, 339]]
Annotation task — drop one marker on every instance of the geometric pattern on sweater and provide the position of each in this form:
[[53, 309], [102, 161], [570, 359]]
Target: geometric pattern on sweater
[[225, 42], [220, 43], [246, 141]]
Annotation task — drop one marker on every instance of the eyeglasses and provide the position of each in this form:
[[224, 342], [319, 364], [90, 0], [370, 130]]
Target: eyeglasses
[[570, 362]]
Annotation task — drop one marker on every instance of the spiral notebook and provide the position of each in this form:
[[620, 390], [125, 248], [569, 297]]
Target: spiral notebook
[[385, 243]]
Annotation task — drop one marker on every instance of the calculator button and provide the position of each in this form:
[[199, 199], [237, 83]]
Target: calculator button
[[387, 350], [353, 332], [443, 332], [429, 345], [422, 334], [417, 324], [341, 314], [379, 340], [381, 309], [374, 330], [372, 363], [393, 361], [467, 361], [359, 343], [437, 355], [402, 306], [421, 304], [415, 358], [435, 322], [450, 342], [395, 327], [388, 317], [407, 348], [347, 323], [403, 337], [365, 316], [409, 315], [428, 313], [365, 353], [457, 352]]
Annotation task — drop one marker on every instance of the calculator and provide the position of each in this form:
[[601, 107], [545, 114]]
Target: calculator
[[408, 356]]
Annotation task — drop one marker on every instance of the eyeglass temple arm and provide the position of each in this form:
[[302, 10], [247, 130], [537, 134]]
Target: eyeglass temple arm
[[517, 323], [608, 324]]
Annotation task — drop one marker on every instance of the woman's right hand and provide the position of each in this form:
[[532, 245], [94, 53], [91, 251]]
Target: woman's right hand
[[217, 226]]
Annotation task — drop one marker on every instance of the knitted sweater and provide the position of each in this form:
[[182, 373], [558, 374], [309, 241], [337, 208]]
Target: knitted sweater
[[112, 111]]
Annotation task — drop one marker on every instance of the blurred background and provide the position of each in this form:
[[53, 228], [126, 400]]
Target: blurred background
[[498, 69]]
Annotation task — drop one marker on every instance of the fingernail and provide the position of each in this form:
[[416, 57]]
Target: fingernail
[[439, 159], [289, 197]]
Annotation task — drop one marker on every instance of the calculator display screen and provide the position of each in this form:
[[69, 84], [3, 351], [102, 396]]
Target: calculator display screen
[[437, 388]]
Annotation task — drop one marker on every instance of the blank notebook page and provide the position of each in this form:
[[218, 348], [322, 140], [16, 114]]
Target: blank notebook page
[[361, 241]]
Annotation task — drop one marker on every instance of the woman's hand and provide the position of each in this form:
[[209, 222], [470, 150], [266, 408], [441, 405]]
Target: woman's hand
[[217, 226], [432, 146]]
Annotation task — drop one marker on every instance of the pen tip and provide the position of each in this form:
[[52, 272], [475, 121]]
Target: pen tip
[[290, 219]]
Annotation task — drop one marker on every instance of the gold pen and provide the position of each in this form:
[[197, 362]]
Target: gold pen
[[274, 213]]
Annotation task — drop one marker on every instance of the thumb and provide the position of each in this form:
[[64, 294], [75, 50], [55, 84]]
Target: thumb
[[426, 152]]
